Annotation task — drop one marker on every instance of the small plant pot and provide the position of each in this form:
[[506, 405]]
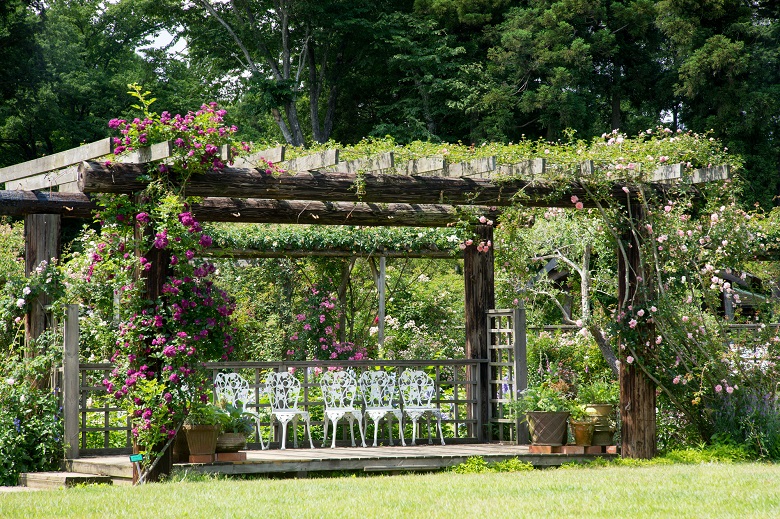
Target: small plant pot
[[582, 432], [231, 442], [547, 428], [202, 439]]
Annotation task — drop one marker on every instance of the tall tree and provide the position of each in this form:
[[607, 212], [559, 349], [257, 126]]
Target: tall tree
[[78, 58], [589, 65], [728, 79], [290, 51]]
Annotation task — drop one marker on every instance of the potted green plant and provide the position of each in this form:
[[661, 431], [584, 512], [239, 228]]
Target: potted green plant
[[235, 425], [599, 398], [202, 427], [546, 410], [581, 425]]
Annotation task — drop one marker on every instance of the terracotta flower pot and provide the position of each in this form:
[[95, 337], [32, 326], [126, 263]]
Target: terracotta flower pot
[[582, 432], [547, 428], [201, 439]]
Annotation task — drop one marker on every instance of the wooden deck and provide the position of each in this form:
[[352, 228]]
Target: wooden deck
[[370, 459]]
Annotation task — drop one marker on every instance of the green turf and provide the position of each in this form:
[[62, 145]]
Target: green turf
[[738, 490]]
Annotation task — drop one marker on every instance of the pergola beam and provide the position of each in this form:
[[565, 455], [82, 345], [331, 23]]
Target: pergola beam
[[253, 210], [97, 177]]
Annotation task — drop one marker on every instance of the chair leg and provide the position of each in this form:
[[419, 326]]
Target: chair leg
[[333, 442], [352, 429], [362, 432], [308, 430], [325, 430], [295, 432], [284, 435], [376, 427], [441, 434], [389, 428], [414, 431], [400, 418]]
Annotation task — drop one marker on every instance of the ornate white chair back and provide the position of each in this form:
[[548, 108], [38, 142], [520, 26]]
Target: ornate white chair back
[[338, 389], [233, 389], [378, 388], [284, 390], [416, 388]]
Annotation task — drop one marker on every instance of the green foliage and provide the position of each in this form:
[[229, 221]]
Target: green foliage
[[30, 421], [547, 397], [233, 419], [204, 414], [478, 465], [599, 391], [275, 238]]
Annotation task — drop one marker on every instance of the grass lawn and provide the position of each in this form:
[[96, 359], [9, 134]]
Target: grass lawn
[[680, 491]]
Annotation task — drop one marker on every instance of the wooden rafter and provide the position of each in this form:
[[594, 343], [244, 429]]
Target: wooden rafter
[[252, 210]]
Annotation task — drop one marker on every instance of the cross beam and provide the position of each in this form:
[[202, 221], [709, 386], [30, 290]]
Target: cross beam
[[253, 210]]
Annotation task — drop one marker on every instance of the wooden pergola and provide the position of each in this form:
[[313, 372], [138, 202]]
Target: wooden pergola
[[319, 189]]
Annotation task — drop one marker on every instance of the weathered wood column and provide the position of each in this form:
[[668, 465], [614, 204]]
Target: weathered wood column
[[479, 298], [41, 243], [637, 392], [70, 383]]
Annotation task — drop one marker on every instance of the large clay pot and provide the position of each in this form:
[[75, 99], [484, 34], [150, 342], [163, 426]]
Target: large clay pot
[[201, 439], [231, 442], [547, 428], [604, 430]]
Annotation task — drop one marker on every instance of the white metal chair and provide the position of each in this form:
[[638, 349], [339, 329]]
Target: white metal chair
[[379, 392], [284, 391], [338, 391], [234, 389], [417, 389]]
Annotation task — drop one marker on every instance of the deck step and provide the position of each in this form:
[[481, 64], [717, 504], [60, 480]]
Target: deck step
[[60, 479], [117, 467]]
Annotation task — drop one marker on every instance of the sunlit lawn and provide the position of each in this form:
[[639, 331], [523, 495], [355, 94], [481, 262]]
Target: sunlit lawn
[[679, 491]]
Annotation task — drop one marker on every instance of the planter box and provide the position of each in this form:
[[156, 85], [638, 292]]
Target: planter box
[[202, 439], [547, 428]]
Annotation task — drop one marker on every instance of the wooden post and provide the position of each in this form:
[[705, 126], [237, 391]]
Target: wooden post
[[382, 291], [70, 382], [521, 367], [479, 298], [637, 393], [41, 243]]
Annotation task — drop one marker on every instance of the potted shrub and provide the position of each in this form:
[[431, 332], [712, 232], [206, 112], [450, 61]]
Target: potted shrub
[[202, 429], [600, 398], [582, 425], [235, 426], [546, 410]]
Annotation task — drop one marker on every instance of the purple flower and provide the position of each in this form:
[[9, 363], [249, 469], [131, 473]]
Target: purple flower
[[205, 240], [143, 217], [161, 240]]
